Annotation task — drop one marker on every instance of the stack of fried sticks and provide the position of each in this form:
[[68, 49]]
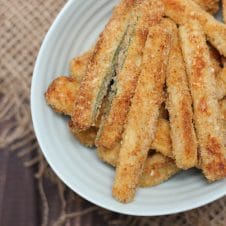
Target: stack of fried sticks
[[150, 93]]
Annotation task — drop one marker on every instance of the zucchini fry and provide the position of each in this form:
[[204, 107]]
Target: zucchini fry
[[179, 105], [208, 120], [111, 128], [182, 11], [60, 94], [143, 114], [78, 65], [157, 169], [100, 68]]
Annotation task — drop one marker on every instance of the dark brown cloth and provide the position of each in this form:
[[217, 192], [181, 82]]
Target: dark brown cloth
[[30, 193], [18, 196]]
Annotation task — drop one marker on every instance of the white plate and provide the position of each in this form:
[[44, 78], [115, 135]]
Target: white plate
[[74, 31]]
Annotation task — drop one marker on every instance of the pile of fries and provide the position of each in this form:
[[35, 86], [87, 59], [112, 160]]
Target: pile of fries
[[150, 94]]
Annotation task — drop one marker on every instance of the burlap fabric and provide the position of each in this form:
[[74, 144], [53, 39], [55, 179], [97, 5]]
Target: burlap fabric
[[23, 25]]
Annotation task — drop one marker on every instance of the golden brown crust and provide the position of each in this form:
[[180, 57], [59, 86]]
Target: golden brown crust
[[78, 65], [157, 169], [143, 115], [211, 6], [179, 105], [208, 121], [162, 142], [111, 129], [182, 11], [60, 94], [100, 68], [109, 156], [86, 137]]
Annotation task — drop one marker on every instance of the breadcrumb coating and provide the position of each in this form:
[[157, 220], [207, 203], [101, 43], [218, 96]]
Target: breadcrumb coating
[[182, 11], [100, 68], [143, 115], [208, 120], [179, 105]]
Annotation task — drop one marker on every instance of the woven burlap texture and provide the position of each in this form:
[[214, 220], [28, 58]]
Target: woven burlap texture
[[23, 25]]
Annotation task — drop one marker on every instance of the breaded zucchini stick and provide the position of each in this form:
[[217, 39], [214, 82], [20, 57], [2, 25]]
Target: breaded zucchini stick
[[78, 65], [100, 69], [60, 94], [110, 132], [143, 115], [208, 120], [179, 105], [211, 6], [182, 11], [157, 169]]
